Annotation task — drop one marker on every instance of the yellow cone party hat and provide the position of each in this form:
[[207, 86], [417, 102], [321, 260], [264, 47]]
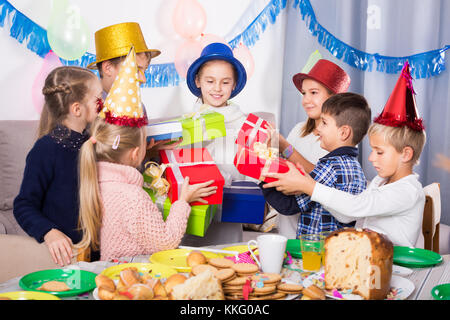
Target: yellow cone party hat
[[123, 104]]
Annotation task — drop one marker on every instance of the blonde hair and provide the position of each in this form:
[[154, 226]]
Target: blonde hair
[[100, 148], [63, 87], [400, 138]]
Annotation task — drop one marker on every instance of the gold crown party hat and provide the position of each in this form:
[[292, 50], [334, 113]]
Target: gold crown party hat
[[123, 104]]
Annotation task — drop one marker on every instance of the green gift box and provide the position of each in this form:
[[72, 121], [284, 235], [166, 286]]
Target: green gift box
[[202, 127], [199, 219]]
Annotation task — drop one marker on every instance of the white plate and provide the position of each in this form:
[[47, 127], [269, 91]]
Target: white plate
[[401, 271], [401, 288]]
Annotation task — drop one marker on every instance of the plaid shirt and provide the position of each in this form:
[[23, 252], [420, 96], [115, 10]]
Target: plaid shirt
[[341, 170]]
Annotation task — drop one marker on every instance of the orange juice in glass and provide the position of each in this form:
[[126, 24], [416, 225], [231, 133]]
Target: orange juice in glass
[[325, 234], [311, 246]]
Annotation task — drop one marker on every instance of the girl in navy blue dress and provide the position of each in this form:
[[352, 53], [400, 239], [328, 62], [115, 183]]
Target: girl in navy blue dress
[[47, 204]]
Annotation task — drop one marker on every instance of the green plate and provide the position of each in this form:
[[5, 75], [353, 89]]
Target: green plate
[[79, 281], [293, 246], [415, 257], [441, 292]]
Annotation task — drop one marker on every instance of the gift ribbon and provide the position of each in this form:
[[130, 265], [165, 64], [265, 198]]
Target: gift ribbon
[[159, 184], [198, 115], [266, 153], [175, 166], [256, 127]]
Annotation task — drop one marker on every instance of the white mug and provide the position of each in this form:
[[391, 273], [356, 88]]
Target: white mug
[[271, 248]]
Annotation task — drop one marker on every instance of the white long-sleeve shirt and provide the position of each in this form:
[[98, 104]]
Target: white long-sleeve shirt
[[395, 209]]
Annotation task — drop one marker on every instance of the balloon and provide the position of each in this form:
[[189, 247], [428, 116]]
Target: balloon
[[243, 54], [67, 32], [208, 38], [187, 53], [189, 18], [51, 61], [313, 58]]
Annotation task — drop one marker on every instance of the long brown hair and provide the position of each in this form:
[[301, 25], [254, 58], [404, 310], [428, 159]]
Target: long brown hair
[[310, 124], [63, 87], [99, 148]]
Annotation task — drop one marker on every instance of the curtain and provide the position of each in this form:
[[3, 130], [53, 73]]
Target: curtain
[[391, 28]]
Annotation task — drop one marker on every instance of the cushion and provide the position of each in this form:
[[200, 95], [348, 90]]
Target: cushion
[[16, 139]]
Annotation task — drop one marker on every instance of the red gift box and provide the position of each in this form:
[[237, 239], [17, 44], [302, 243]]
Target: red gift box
[[250, 164], [254, 129], [198, 165]]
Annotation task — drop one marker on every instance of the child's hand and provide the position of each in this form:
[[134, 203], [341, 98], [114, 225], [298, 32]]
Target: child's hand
[[292, 182], [60, 246], [195, 192], [163, 144]]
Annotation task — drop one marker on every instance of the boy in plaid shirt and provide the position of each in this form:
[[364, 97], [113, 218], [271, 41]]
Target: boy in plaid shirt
[[345, 120]]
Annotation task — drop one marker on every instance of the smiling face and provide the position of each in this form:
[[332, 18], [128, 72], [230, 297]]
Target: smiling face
[[328, 132], [216, 80], [314, 95]]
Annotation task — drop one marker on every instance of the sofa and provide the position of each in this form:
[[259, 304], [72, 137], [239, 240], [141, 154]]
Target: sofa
[[16, 139]]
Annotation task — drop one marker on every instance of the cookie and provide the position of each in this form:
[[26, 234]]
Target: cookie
[[237, 281], [54, 286], [225, 274], [273, 296], [220, 263], [196, 270], [244, 269], [267, 289], [267, 278], [290, 288]]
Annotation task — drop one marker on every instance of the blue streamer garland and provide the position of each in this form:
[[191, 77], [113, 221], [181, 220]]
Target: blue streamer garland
[[423, 65]]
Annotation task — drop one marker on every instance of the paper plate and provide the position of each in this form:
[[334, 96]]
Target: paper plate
[[401, 288], [79, 281], [293, 246], [441, 292], [240, 249], [28, 295], [415, 257], [176, 258], [155, 270]]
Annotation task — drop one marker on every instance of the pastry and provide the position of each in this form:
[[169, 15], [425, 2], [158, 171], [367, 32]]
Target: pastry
[[173, 280], [103, 281], [314, 292], [105, 293], [195, 258], [358, 260], [140, 291], [129, 276]]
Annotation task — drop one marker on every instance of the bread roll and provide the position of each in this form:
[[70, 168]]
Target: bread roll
[[359, 260], [141, 291], [195, 258], [103, 281], [173, 280], [105, 293]]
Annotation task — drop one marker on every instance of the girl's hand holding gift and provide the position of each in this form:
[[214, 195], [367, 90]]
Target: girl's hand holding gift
[[196, 192], [295, 181]]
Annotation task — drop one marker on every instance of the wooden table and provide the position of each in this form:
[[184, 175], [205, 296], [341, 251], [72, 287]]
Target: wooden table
[[424, 279]]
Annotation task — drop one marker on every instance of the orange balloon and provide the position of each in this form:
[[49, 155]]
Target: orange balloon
[[186, 54], [189, 18]]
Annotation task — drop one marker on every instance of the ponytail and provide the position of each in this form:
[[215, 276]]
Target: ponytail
[[90, 217]]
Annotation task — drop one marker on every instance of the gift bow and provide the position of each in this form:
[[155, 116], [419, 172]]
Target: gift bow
[[159, 184], [198, 115], [267, 153]]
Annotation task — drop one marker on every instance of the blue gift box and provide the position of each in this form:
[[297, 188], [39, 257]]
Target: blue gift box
[[164, 130], [243, 202]]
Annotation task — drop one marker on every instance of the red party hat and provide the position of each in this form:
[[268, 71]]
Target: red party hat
[[400, 109]]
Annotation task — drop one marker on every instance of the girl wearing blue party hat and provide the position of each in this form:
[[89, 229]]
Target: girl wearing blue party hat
[[215, 78]]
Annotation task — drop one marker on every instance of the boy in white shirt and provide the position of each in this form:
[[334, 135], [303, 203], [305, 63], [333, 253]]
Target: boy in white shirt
[[394, 201]]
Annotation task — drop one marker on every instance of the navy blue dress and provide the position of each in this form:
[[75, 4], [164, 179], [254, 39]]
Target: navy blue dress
[[48, 196]]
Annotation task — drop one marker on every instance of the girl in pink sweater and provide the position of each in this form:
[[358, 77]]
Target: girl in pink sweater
[[116, 214]]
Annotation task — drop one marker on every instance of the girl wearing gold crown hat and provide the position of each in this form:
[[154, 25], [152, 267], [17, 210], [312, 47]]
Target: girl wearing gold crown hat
[[116, 214]]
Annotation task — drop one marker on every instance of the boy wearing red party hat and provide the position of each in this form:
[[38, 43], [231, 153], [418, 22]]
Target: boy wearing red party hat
[[393, 202]]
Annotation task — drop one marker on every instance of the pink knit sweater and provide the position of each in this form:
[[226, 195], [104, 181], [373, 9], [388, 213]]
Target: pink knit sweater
[[132, 224]]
